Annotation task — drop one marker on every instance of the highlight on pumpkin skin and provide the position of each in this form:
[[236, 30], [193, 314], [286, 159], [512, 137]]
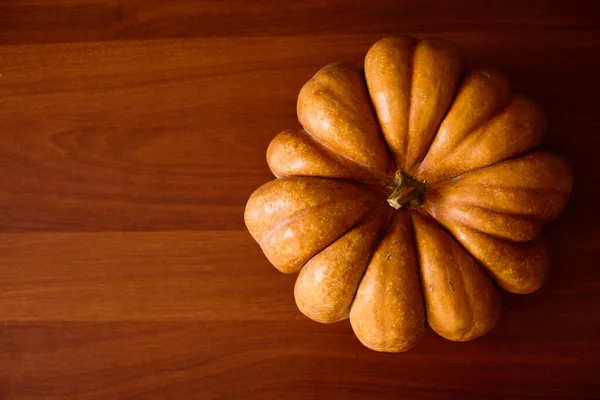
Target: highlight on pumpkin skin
[[334, 107], [296, 153], [294, 218], [328, 282], [412, 84], [387, 313], [460, 300], [510, 200]]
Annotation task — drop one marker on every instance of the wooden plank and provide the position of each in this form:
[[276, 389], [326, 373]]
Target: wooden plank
[[219, 276], [35, 21], [164, 135], [259, 360], [223, 276]]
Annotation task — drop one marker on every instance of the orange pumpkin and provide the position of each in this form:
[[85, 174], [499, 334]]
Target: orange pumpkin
[[411, 189]]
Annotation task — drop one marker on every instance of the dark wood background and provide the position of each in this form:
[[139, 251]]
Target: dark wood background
[[132, 133]]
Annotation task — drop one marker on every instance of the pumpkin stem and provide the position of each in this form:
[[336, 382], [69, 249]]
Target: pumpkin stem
[[406, 192]]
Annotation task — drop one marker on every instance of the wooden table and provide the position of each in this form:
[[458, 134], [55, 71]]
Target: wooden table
[[131, 135]]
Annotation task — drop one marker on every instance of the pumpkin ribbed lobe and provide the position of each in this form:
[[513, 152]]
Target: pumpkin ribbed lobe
[[388, 313]]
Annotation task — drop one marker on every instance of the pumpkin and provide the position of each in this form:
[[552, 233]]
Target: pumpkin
[[414, 190]]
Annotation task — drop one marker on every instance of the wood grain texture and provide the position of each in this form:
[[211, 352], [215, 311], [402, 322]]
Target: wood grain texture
[[131, 135]]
